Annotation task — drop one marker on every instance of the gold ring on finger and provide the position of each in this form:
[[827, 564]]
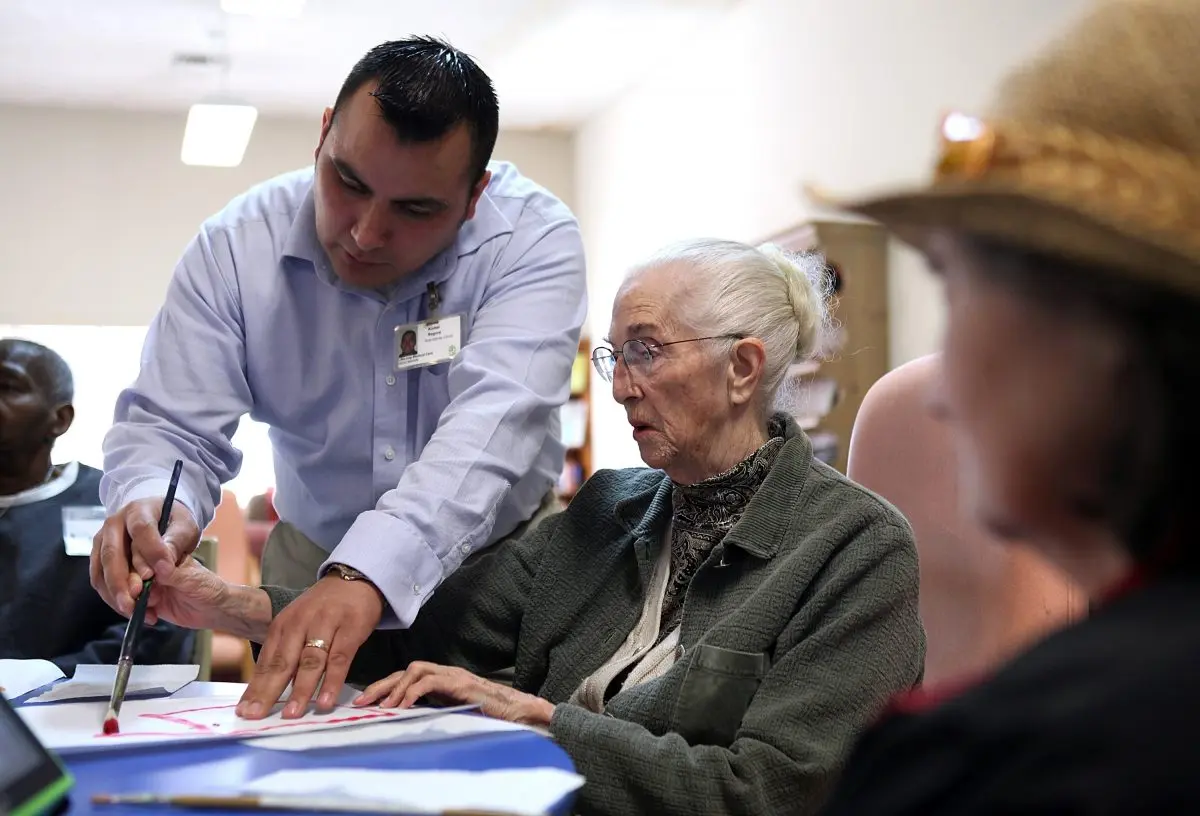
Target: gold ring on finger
[[317, 643]]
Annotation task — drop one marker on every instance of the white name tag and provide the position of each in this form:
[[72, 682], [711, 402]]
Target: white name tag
[[80, 525], [428, 343]]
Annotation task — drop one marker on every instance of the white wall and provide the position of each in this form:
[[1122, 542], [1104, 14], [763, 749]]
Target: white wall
[[846, 94], [95, 206]]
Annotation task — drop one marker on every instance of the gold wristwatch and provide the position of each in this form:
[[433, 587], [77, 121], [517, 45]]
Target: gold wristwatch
[[348, 573]]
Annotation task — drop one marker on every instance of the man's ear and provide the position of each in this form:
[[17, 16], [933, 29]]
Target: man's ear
[[64, 415], [477, 191], [746, 363], [326, 124]]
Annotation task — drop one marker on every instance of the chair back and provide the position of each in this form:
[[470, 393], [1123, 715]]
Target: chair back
[[228, 528], [206, 554], [233, 563], [982, 600]]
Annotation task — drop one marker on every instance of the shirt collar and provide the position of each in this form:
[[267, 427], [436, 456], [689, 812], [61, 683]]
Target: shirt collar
[[47, 490], [301, 241], [487, 224]]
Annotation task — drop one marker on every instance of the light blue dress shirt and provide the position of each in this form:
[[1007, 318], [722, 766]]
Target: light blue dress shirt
[[398, 474]]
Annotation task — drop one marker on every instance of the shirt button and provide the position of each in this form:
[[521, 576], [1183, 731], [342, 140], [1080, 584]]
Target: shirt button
[[416, 589], [389, 453], [466, 548], [391, 379]]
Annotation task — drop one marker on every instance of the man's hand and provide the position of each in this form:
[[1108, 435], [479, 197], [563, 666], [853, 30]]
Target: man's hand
[[419, 680], [128, 550], [339, 613]]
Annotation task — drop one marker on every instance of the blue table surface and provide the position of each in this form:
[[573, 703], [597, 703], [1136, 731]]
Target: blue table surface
[[223, 766]]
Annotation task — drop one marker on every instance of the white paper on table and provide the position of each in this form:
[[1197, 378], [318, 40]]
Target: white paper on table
[[532, 791], [76, 727], [95, 682], [429, 729], [19, 677]]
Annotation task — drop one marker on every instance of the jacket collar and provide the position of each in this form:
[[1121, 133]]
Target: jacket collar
[[761, 529]]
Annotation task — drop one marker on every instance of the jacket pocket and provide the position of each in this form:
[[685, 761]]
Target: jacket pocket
[[716, 691]]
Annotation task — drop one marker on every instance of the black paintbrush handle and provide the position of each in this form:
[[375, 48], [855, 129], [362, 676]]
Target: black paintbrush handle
[[164, 518], [138, 618]]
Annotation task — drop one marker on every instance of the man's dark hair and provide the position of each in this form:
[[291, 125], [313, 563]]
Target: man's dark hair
[[48, 370], [425, 87]]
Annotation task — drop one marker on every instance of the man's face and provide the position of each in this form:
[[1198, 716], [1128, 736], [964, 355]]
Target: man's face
[[385, 208], [28, 419]]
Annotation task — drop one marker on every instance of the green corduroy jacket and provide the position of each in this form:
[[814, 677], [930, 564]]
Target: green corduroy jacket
[[795, 632]]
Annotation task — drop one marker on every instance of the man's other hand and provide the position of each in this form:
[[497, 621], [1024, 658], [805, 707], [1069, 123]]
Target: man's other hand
[[316, 636]]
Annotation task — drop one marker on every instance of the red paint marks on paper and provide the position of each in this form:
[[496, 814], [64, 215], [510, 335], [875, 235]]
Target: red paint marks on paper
[[185, 718]]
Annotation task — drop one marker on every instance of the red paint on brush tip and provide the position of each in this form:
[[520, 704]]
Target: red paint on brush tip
[[111, 727]]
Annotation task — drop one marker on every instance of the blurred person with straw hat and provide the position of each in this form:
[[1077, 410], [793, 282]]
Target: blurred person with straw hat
[[1066, 227]]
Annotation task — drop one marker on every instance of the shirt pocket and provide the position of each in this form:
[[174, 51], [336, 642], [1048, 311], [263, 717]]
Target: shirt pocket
[[437, 371], [716, 691]]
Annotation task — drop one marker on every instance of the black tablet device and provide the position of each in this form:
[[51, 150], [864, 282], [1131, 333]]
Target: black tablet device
[[31, 779]]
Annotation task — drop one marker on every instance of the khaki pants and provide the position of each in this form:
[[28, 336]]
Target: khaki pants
[[291, 559]]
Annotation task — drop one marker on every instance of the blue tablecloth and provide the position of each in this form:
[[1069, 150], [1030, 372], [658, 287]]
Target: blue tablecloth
[[223, 767]]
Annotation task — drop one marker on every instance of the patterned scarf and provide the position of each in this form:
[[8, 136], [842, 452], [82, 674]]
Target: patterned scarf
[[703, 513]]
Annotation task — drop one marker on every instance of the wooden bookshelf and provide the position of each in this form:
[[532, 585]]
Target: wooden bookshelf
[[576, 425], [857, 253]]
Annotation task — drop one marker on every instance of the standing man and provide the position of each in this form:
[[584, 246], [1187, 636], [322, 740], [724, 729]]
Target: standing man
[[291, 304]]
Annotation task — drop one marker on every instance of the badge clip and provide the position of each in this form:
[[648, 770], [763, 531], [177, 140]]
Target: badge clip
[[434, 298]]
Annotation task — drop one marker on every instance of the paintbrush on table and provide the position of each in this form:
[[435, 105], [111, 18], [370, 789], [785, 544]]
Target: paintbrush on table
[[138, 618], [257, 802]]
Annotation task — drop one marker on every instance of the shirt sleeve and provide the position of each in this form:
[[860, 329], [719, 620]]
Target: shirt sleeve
[[512, 374], [473, 621], [191, 391]]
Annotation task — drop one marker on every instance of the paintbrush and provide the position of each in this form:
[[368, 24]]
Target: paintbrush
[[129, 642], [254, 802]]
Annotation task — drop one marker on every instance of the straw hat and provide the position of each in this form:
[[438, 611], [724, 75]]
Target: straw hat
[[1090, 152]]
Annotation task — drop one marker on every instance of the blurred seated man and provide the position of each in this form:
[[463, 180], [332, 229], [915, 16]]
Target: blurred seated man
[[704, 635], [48, 514]]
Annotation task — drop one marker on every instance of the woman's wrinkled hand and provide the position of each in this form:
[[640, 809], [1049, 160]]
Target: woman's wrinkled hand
[[448, 684], [191, 596]]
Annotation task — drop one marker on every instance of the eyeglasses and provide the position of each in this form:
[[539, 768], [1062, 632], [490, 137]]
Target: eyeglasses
[[639, 354]]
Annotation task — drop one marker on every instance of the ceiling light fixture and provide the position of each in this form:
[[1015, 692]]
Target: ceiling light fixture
[[218, 129], [264, 8], [217, 133]]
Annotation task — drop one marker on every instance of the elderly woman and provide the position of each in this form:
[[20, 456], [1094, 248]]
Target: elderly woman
[[707, 634], [1067, 230]]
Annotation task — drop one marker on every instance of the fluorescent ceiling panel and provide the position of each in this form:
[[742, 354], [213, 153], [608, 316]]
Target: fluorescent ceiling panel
[[217, 134], [264, 8]]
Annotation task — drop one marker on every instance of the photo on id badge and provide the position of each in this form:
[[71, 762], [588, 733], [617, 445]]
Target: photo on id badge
[[428, 343]]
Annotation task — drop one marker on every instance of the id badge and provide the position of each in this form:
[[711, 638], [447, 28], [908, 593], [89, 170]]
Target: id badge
[[80, 525], [428, 343]]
